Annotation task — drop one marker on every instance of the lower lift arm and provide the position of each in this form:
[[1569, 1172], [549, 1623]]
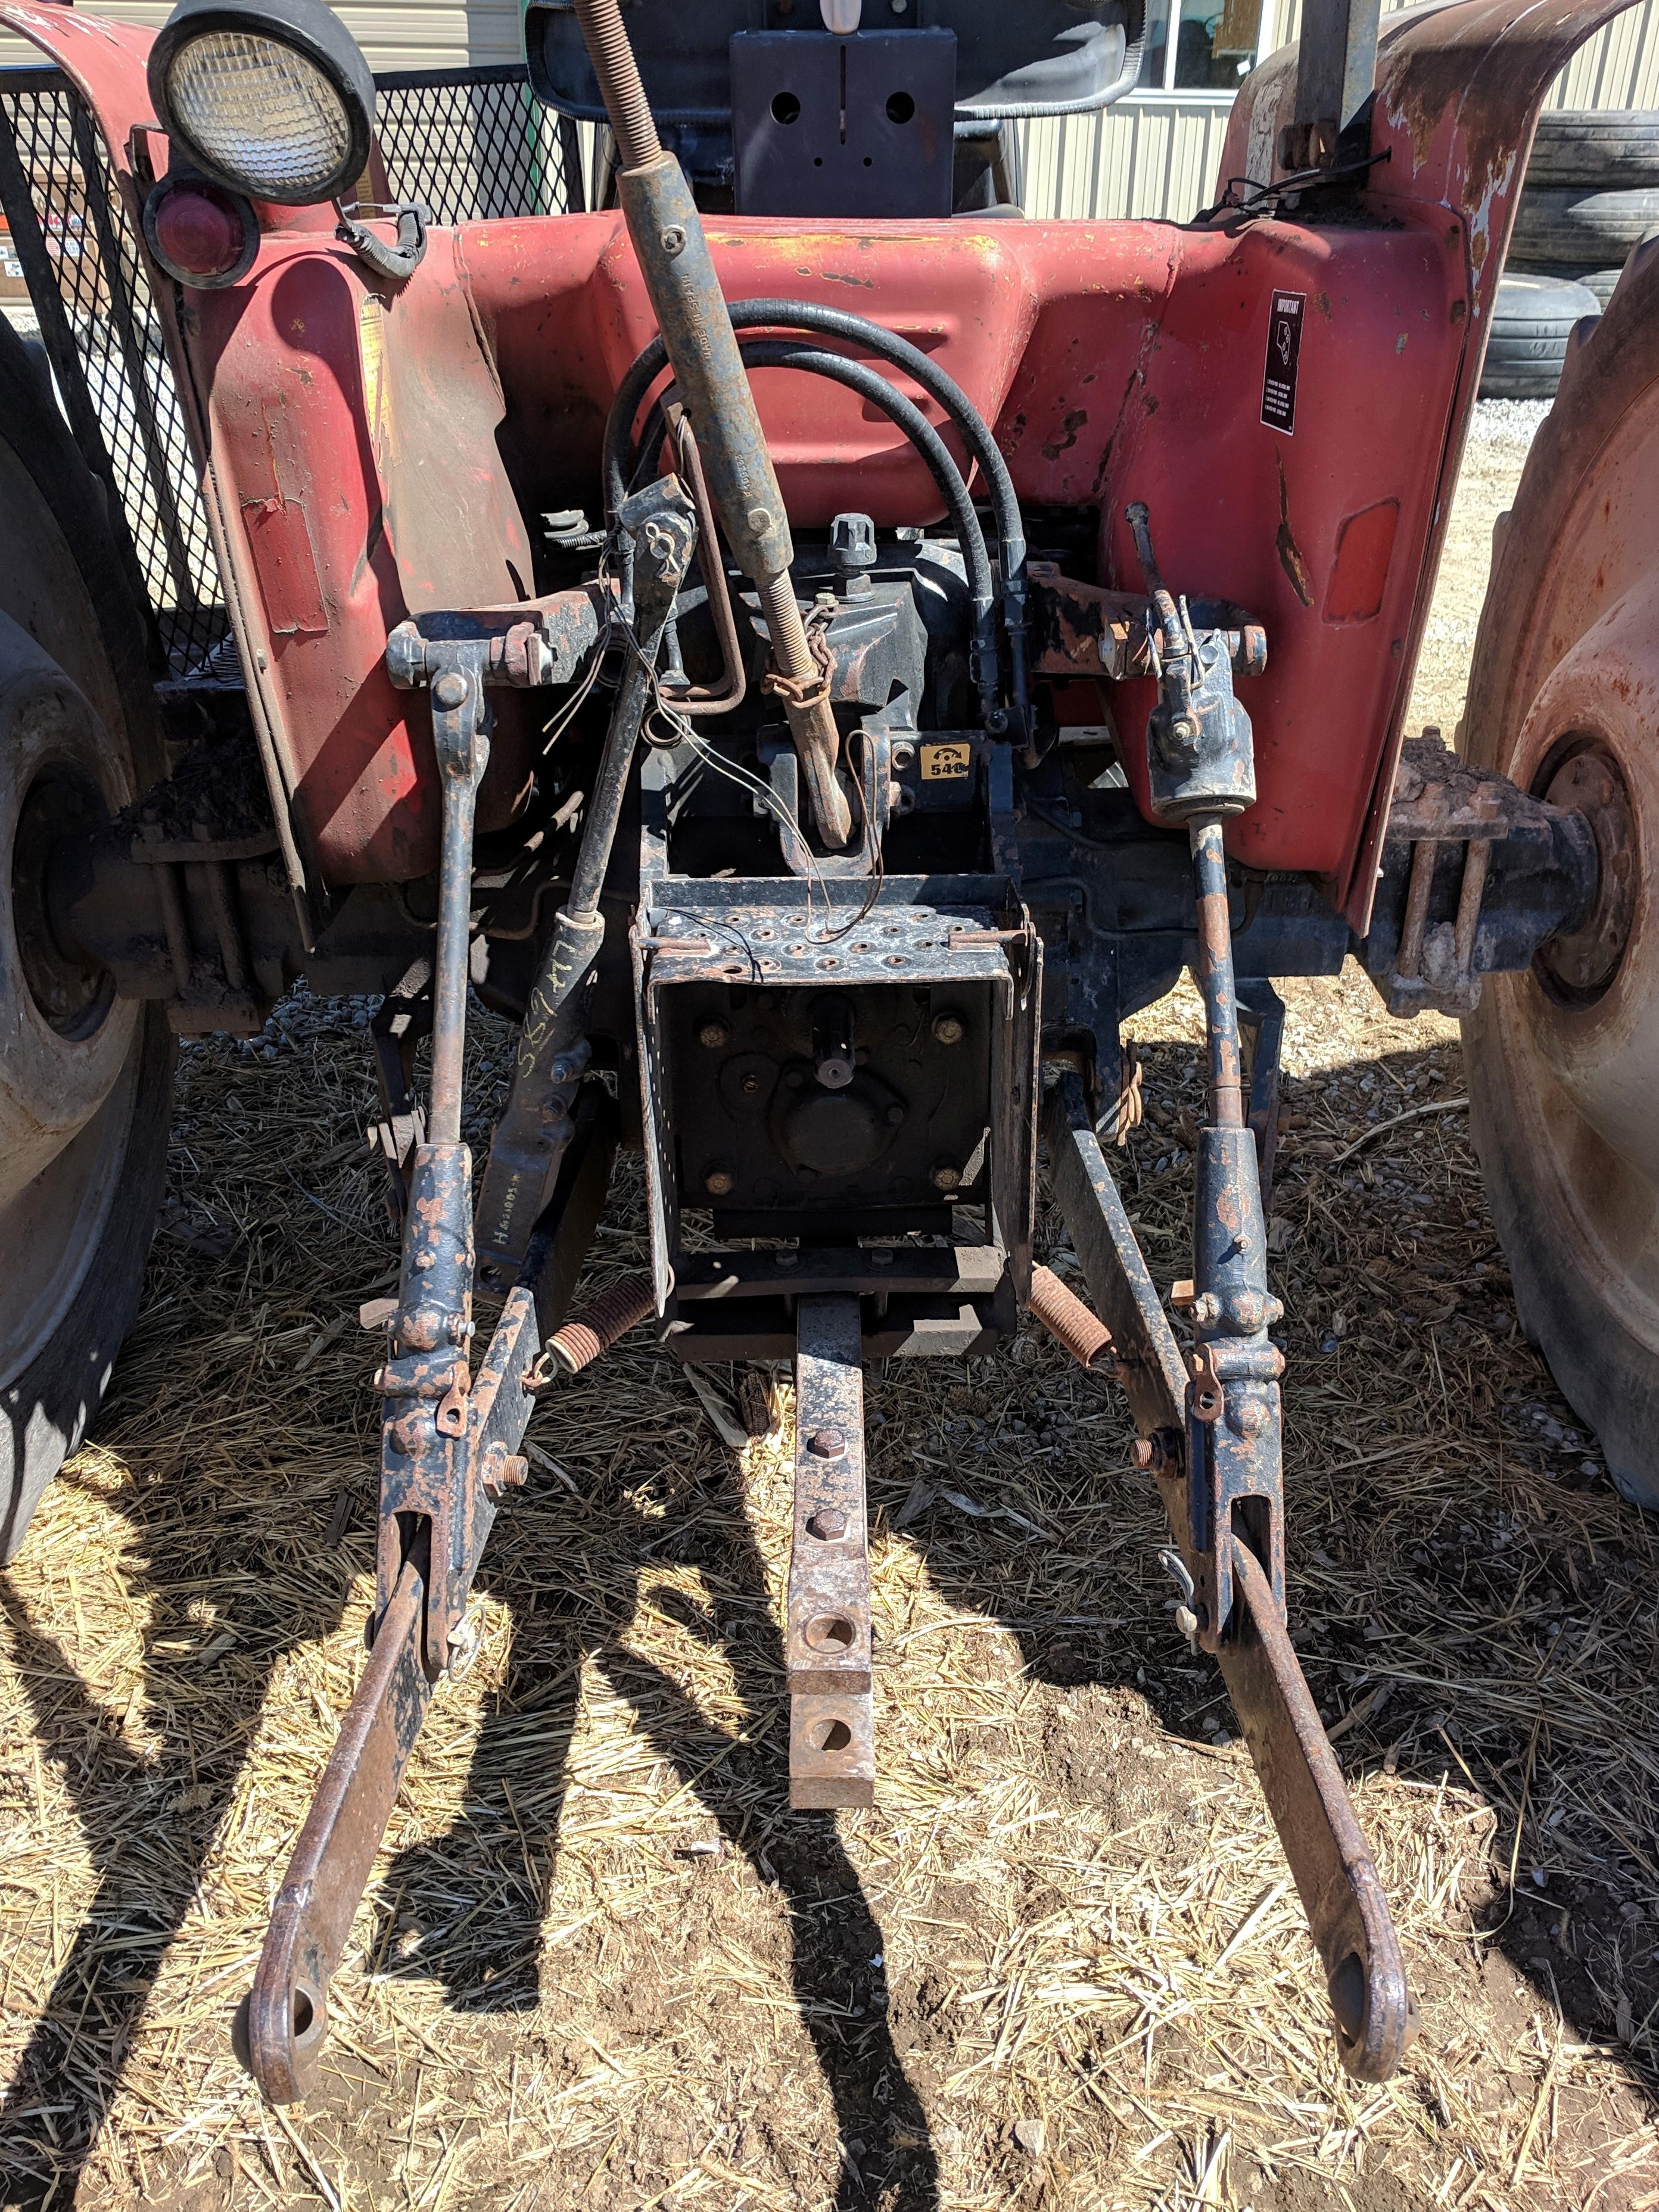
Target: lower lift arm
[[449, 1441]]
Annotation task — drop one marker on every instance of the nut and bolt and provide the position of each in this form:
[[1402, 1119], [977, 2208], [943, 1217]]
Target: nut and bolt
[[826, 1443], [1207, 1309], [947, 1029], [673, 240], [759, 519], [449, 692], [719, 1181], [827, 1524], [714, 1035], [945, 1176], [501, 1470]]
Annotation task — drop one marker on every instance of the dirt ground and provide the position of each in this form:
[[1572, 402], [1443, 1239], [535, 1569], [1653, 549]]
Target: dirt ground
[[1060, 1965]]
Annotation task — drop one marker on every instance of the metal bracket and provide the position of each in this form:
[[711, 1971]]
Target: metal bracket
[[827, 1631]]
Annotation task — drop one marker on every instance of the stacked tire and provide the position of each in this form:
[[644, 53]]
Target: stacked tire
[[1591, 197]]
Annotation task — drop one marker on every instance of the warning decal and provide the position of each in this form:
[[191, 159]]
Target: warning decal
[[1284, 351]]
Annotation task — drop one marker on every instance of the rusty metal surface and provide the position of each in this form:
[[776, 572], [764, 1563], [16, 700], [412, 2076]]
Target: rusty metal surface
[[696, 699], [534, 1125], [1335, 1875], [1181, 1415], [1085, 630], [1070, 1323], [287, 2013], [586, 1335], [1492, 874], [832, 1751], [827, 1629], [336, 1849], [1154, 1373]]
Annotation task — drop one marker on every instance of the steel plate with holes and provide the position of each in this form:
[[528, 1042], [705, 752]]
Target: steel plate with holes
[[844, 127]]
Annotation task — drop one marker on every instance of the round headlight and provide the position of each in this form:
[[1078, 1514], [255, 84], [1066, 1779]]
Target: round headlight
[[274, 100]]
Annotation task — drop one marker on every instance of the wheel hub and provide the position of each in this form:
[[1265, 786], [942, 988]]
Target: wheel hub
[[1581, 776], [68, 1067], [73, 993]]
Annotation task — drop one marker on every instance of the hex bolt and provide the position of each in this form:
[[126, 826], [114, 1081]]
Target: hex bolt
[[827, 1525], [449, 692], [719, 1181], [714, 1035], [826, 1443], [1207, 1309], [945, 1176], [503, 1470], [947, 1029]]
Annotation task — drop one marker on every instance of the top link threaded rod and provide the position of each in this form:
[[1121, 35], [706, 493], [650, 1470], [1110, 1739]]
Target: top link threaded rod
[[618, 74], [1215, 974]]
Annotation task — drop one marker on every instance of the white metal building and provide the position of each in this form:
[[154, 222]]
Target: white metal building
[[1155, 153]]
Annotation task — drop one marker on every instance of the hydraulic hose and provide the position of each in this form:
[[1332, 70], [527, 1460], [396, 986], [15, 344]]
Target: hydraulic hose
[[870, 384], [668, 239], [806, 315]]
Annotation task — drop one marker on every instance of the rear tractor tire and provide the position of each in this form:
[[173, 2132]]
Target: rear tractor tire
[[85, 1075], [1564, 1061]]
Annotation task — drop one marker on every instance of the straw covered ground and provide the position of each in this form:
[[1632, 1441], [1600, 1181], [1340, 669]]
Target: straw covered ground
[[1060, 1966]]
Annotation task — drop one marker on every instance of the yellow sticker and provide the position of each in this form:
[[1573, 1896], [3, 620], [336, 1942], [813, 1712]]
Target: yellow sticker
[[371, 342], [946, 761]]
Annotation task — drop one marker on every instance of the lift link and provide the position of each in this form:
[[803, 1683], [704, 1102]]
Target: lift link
[[449, 1445], [1234, 1424], [427, 1378], [534, 1125], [1210, 1422]]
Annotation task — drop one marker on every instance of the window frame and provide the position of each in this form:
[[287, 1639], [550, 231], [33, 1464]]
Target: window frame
[[1202, 95]]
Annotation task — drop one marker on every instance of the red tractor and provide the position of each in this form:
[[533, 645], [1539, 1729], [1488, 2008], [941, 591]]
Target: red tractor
[[817, 652]]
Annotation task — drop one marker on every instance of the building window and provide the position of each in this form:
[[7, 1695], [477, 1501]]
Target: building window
[[1214, 48]]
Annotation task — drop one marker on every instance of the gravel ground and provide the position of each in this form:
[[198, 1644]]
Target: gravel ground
[[1059, 1966]]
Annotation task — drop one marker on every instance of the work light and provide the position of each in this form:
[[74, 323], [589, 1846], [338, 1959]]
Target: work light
[[272, 98]]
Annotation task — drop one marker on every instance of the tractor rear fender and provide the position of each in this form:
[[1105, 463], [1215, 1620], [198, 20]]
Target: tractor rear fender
[[374, 444]]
